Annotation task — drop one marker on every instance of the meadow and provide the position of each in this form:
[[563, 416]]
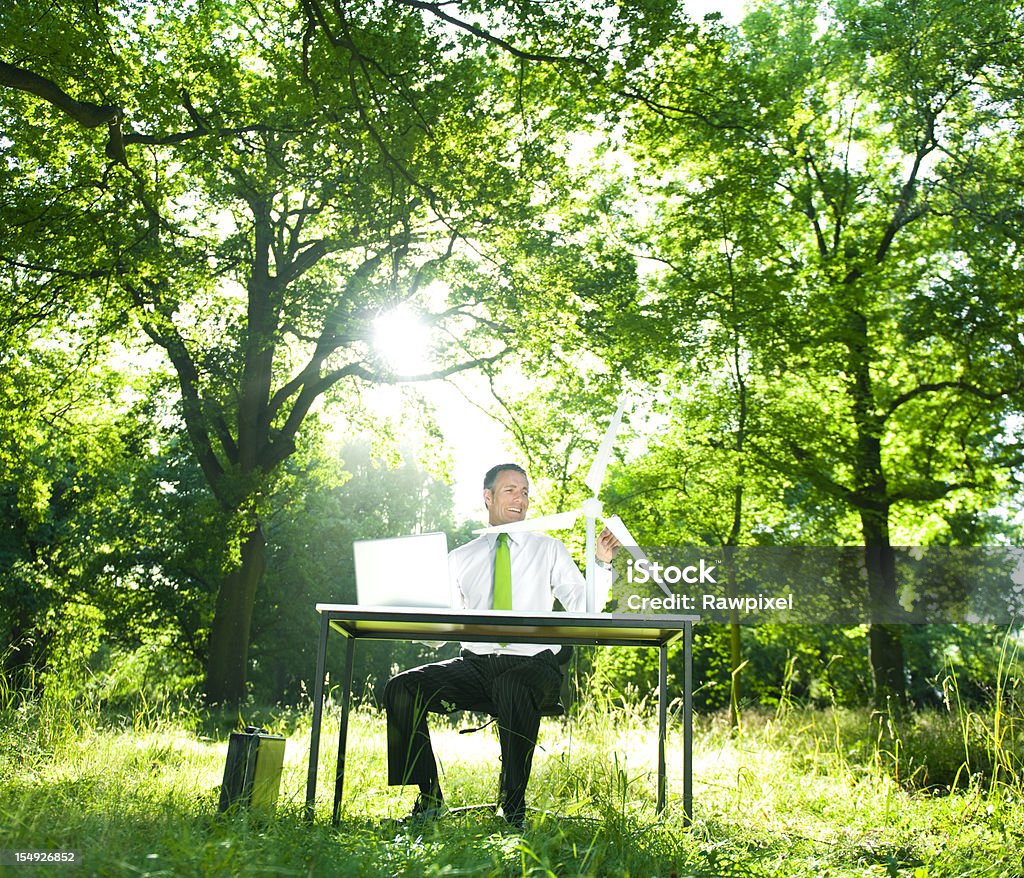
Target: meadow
[[795, 792]]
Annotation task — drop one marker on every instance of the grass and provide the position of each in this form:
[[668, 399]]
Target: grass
[[798, 793]]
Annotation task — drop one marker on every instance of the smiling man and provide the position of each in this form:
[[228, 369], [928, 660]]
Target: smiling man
[[519, 571]]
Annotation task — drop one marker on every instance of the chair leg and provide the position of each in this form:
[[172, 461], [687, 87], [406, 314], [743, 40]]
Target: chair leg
[[502, 784]]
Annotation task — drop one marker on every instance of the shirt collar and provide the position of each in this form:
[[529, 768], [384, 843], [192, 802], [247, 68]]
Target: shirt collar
[[513, 537]]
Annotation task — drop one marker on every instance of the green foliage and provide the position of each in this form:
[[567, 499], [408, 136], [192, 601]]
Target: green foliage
[[280, 176], [824, 184], [810, 217], [77, 509], [800, 234], [813, 666], [310, 561]]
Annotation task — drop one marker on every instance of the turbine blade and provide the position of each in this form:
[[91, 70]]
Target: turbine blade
[[595, 476], [558, 521], [615, 525]]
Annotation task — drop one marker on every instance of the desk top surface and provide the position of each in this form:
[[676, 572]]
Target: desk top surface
[[504, 625]]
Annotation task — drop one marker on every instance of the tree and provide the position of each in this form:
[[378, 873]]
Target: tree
[[282, 174], [860, 157], [74, 531]]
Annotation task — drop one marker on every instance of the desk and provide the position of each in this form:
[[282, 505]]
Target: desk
[[501, 626]]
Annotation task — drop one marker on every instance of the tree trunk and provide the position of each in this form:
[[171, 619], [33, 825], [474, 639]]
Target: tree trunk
[[885, 648], [227, 666], [872, 499], [735, 664], [735, 642], [885, 639]]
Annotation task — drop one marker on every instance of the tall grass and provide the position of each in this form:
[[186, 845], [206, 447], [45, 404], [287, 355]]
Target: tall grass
[[795, 791]]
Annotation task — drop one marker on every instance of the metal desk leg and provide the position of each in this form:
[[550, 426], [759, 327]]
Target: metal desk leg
[[688, 724], [662, 722], [346, 698], [318, 715]]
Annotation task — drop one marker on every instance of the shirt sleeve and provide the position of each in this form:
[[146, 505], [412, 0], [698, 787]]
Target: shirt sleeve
[[567, 583], [602, 587], [570, 585]]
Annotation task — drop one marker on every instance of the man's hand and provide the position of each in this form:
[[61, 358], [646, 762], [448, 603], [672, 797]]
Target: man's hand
[[607, 545]]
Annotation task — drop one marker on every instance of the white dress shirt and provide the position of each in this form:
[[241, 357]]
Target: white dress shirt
[[542, 570]]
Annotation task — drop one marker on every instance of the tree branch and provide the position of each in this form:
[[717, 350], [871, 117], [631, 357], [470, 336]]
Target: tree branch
[[818, 478], [928, 490], [936, 386], [326, 344], [85, 113], [904, 215], [170, 340], [283, 446], [487, 36]]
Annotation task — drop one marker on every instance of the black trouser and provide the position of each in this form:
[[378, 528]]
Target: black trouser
[[515, 686]]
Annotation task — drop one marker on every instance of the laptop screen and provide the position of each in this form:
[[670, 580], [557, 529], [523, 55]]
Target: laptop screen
[[407, 571]]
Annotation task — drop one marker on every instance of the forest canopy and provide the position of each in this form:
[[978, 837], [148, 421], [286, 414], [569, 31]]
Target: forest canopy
[[793, 239]]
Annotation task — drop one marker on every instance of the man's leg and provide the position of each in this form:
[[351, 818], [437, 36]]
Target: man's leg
[[518, 693], [408, 697]]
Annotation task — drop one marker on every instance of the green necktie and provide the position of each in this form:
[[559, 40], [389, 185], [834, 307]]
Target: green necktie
[[502, 575]]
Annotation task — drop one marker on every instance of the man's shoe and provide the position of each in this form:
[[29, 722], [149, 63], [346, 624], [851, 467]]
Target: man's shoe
[[515, 817], [426, 808]]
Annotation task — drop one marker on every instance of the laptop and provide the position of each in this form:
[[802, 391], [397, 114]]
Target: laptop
[[402, 571]]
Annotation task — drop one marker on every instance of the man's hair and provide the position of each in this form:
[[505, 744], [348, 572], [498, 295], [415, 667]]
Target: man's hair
[[493, 472]]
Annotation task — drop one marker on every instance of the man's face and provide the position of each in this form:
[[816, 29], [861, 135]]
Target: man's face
[[510, 498]]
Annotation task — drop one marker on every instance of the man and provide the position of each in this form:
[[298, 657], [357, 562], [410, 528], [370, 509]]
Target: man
[[519, 571]]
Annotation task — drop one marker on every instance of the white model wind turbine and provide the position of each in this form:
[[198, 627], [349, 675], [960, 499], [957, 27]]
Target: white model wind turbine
[[592, 510]]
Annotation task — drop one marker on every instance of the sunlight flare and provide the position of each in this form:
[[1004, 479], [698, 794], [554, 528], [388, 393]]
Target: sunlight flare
[[402, 339]]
